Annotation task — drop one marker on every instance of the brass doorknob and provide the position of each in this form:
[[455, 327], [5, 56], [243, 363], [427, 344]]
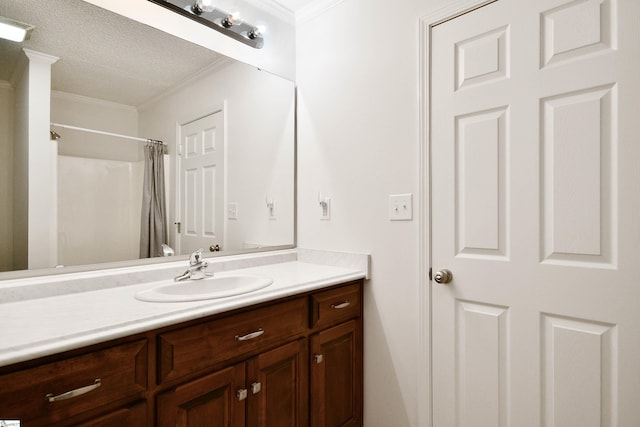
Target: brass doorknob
[[443, 277]]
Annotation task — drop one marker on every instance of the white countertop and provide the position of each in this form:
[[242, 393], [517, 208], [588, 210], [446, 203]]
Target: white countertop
[[44, 326]]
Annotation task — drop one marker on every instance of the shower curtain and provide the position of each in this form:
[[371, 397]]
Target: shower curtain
[[153, 227]]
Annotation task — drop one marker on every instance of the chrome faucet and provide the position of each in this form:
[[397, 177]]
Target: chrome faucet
[[197, 268]]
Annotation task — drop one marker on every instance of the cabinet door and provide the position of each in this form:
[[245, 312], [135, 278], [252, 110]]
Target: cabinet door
[[278, 387], [336, 376], [210, 401]]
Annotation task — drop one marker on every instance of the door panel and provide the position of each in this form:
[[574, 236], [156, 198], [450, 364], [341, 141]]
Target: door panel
[[535, 208], [336, 375], [279, 381], [209, 401], [201, 166]]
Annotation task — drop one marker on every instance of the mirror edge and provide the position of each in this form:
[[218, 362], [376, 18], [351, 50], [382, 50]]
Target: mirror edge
[[53, 271]]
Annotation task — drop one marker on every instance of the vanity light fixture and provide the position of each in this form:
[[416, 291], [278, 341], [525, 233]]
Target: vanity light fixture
[[205, 12], [15, 31], [201, 6]]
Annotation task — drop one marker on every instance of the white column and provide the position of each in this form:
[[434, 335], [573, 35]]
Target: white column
[[42, 164]]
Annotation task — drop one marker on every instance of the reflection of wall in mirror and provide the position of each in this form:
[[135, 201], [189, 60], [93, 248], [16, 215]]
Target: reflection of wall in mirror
[[6, 176], [259, 131], [99, 181], [99, 205]]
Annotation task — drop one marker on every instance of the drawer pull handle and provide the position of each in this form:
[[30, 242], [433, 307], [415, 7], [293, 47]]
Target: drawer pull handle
[[344, 304], [74, 393], [250, 336]]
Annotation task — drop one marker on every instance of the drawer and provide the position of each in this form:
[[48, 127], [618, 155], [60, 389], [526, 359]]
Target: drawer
[[131, 416], [40, 395], [335, 306], [197, 347]]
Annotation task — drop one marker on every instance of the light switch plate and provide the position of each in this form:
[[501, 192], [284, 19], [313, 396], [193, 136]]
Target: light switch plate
[[232, 211], [400, 207]]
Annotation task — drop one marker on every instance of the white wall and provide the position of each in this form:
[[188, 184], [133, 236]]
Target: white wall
[[84, 112], [20, 199], [99, 181], [358, 142], [259, 150], [99, 204], [7, 101]]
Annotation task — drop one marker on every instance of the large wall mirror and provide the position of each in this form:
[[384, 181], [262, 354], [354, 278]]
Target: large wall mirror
[[96, 78]]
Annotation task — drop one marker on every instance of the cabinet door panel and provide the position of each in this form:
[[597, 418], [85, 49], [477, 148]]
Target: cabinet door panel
[[278, 387], [210, 401], [336, 376]]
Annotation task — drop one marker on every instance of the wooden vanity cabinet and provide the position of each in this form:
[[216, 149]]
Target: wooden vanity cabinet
[[129, 416], [336, 358], [69, 391], [210, 400], [336, 376], [291, 362], [267, 390]]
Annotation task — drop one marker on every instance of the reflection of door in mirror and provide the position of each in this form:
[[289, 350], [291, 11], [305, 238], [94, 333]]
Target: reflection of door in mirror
[[201, 171]]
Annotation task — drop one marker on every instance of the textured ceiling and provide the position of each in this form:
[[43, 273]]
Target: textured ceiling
[[102, 55]]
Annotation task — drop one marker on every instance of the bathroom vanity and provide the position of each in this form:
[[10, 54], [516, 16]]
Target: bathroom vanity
[[288, 355]]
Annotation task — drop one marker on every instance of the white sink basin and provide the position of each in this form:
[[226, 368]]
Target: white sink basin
[[218, 286]]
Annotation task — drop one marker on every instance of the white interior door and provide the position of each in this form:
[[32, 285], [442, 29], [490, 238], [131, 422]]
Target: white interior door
[[536, 212], [201, 172]]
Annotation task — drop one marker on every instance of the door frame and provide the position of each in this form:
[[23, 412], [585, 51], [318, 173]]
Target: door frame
[[426, 23], [177, 208]]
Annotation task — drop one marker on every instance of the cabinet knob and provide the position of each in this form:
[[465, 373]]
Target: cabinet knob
[[319, 358], [242, 394], [255, 388]]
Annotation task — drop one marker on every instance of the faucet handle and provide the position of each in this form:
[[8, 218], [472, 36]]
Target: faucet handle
[[195, 257]]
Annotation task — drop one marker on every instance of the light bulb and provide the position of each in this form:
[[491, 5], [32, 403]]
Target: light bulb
[[256, 32], [231, 20], [201, 6]]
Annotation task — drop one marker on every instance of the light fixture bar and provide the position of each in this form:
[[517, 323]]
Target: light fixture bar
[[205, 12], [15, 31]]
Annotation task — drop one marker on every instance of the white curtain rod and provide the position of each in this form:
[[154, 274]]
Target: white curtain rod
[[134, 138]]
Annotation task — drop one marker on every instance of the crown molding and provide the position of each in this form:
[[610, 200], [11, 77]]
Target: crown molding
[[315, 9], [39, 56], [87, 100], [275, 8]]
